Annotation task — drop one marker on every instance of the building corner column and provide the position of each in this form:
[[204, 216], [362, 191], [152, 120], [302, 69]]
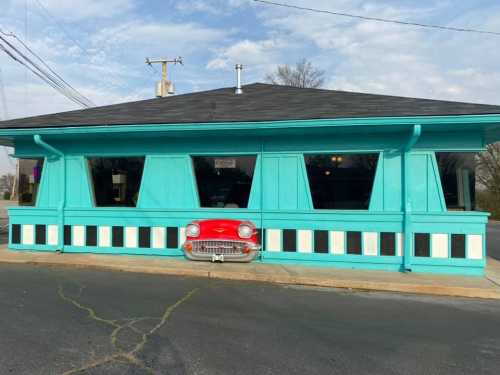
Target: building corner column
[[407, 199]]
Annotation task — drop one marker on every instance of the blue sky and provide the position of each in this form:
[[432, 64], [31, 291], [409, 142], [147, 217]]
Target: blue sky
[[100, 47]]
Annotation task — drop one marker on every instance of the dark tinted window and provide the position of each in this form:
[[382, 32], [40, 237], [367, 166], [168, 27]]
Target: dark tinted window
[[341, 181], [224, 181], [116, 181], [30, 175], [458, 179]]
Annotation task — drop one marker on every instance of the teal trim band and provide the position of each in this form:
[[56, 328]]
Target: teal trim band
[[472, 120]]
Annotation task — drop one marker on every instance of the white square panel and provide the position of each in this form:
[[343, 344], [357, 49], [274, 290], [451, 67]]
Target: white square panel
[[370, 243], [78, 235], [104, 236], [337, 242], [439, 245], [158, 237], [273, 239], [52, 234], [131, 237], [474, 246], [305, 241], [28, 234]]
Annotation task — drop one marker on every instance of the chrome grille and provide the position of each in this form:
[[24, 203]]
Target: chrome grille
[[218, 247]]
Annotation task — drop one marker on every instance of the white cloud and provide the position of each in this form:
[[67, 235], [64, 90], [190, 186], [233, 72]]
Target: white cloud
[[155, 38], [393, 59], [195, 6], [251, 53], [77, 10]]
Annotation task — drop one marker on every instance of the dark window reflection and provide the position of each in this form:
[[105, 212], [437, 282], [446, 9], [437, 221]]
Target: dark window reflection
[[30, 175], [341, 181], [116, 181], [224, 181], [458, 179]]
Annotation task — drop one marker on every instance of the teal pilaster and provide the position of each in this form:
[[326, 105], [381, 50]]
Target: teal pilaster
[[59, 154], [407, 199]]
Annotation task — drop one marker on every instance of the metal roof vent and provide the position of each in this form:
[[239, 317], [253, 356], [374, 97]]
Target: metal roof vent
[[239, 68]]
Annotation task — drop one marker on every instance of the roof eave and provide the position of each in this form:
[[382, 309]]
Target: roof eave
[[489, 122]]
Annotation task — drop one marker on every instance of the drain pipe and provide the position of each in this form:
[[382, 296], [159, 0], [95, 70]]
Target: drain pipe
[[407, 201], [62, 204]]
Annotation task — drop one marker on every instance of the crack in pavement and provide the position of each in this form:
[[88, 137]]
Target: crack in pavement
[[122, 355]]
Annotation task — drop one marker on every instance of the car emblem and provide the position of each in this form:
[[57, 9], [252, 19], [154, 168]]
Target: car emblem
[[219, 230]]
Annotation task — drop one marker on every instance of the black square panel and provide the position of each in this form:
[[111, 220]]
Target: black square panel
[[289, 240], [40, 234], [117, 233], [353, 242], [91, 235], [458, 245], [16, 233], [172, 238], [422, 245], [67, 235], [387, 243], [321, 241], [144, 237]]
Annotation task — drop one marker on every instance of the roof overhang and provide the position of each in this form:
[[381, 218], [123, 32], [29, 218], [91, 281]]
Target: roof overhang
[[487, 125]]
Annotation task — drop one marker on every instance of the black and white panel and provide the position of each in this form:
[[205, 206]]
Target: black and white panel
[[333, 242], [116, 236], [35, 234]]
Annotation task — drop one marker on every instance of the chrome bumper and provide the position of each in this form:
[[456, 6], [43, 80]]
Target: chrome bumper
[[220, 250]]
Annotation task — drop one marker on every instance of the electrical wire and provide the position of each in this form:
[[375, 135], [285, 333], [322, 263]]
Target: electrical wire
[[56, 86], [35, 69], [88, 101], [377, 19], [49, 76]]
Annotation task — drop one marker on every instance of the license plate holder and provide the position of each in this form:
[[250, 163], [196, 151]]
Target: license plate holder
[[217, 258]]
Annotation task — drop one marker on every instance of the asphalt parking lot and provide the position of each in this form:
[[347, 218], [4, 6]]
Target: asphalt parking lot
[[75, 321]]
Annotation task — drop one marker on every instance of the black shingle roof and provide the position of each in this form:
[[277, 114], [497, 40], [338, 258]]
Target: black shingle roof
[[259, 102]]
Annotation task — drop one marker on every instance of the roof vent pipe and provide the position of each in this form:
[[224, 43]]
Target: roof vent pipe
[[238, 90]]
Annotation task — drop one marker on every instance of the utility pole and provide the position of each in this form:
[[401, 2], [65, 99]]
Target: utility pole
[[164, 87]]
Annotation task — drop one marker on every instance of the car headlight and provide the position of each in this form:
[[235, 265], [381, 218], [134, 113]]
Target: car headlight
[[193, 230], [245, 231]]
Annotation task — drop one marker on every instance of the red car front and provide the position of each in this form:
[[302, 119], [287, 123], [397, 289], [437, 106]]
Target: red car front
[[221, 240]]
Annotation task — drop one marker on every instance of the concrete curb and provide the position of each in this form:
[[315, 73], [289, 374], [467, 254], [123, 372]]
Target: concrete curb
[[352, 284]]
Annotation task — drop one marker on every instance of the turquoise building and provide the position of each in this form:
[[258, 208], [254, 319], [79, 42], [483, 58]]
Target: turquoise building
[[330, 178]]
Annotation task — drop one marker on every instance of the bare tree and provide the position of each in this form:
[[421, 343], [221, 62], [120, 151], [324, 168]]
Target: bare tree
[[303, 74], [488, 178], [488, 169]]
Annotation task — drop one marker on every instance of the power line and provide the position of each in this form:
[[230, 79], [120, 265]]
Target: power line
[[48, 75], [40, 74], [366, 18], [47, 66], [35, 69]]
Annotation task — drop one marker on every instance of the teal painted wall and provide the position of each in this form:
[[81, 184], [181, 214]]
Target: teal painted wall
[[280, 196], [285, 185], [168, 181], [78, 183], [425, 189]]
